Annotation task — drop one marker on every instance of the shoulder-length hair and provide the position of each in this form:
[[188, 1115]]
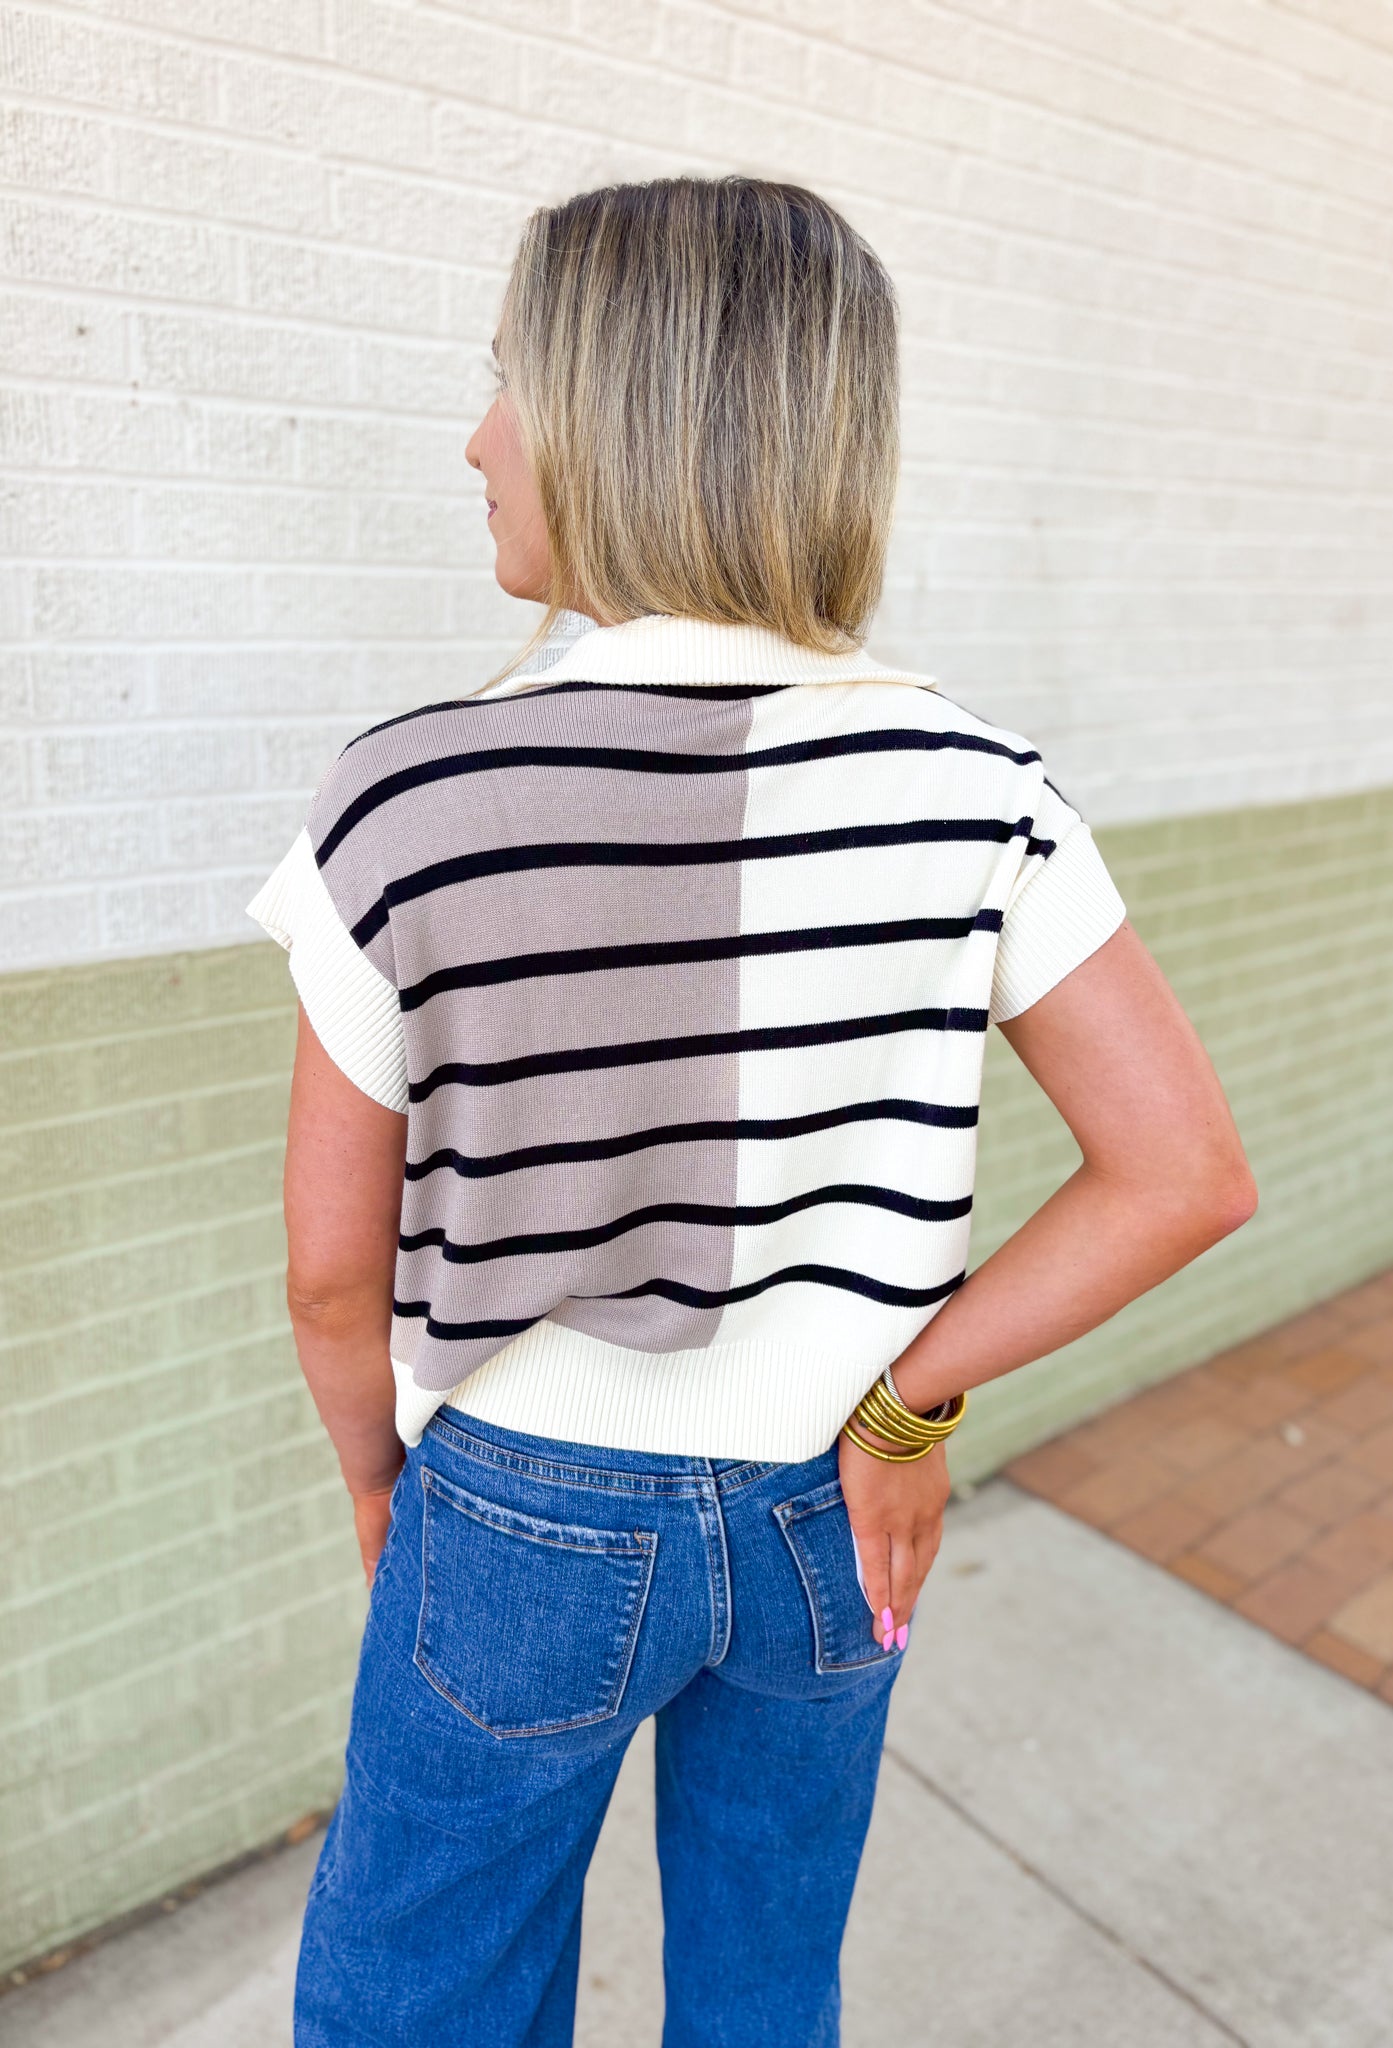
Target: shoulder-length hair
[[706, 379]]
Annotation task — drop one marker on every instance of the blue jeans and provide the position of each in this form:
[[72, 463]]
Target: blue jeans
[[534, 1601]]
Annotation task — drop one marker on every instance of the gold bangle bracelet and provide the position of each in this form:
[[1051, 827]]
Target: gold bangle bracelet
[[881, 1411], [890, 1457]]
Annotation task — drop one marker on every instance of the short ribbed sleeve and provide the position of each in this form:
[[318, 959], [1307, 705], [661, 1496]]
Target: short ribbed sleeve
[[1063, 906], [354, 1009]]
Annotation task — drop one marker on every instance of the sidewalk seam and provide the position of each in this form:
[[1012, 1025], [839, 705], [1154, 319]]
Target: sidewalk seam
[[1080, 1912]]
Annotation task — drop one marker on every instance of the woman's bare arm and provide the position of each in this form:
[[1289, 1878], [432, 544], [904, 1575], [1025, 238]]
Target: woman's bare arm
[[1163, 1177], [343, 1182]]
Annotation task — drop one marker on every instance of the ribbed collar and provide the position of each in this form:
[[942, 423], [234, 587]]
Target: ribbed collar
[[662, 648]]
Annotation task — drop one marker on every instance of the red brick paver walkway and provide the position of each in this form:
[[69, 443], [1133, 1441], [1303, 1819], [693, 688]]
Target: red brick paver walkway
[[1263, 1476]]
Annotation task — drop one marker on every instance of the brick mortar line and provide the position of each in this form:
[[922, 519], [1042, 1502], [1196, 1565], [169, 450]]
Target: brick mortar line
[[329, 63], [1258, 1074], [325, 1545], [434, 179], [62, 1333], [762, 99], [1162, 269], [179, 1893], [309, 496], [327, 1542], [1192, 484], [756, 101], [1278, 581], [1186, 31], [222, 1637], [76, 1581], [287, 566], [1176, 634], [235, 320], [1275, 953], [206, 1417], [225, 647], [134, 1175], [151, 298], [1081, 1912], [388, 569], [105, 1111], [1332, 29], [331, 1485], [174, 1425], [87, 1324], [197, 1355], [128, 1565], [174, 1237], [102, 1116], [299, 1769], [140, 1034], [1310, 20], [117, 1383]]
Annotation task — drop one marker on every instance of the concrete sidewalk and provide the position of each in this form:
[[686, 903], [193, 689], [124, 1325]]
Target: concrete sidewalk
[[1112, 1814]]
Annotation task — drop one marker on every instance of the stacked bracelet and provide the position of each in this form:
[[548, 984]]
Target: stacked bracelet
[[882, 1410]]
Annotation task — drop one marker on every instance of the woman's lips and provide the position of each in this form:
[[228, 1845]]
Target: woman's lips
[[492, 504]]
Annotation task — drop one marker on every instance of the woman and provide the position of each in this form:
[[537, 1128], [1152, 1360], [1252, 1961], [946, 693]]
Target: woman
[[643, 1003]]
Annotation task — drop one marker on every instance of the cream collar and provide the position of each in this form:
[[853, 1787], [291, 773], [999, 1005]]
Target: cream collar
[[662, 648]]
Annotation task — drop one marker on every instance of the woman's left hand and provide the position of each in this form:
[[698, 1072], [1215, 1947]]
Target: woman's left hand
[[896, 1513]]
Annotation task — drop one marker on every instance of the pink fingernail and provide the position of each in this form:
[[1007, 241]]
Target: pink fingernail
[[887, 1639], [887, 1618], [902, 1634]]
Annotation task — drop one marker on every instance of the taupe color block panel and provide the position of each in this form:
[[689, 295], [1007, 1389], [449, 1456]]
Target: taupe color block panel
[[494, 919]]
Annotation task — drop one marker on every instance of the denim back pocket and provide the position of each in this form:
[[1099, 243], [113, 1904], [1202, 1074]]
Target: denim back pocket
[[529, 1627], [817, 1530]]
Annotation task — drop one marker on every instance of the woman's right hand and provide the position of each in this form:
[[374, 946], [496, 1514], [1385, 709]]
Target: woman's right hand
[[372, 1518], [896, 1512]]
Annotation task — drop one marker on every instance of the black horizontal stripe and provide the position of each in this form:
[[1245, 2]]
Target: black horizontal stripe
[[727, 691], [544, 689], [823, 1276], [944, 1115], [883, 1291], [677, 952], [644, 761], [693, 1045], [492, 1326], [566, 853], [715, 1215]]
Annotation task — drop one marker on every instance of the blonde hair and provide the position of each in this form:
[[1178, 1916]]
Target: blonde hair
[[706, 380]]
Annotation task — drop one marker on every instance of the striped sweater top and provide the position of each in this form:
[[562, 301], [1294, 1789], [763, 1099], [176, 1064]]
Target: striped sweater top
[[678, 953]]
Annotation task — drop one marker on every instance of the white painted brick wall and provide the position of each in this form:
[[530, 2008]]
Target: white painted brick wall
[[255, 251]]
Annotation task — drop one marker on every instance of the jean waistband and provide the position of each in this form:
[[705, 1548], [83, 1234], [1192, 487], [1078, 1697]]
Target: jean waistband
[[556, 1458]]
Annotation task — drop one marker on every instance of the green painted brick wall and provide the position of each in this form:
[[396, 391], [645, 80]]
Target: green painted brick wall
[[180, 1600]]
